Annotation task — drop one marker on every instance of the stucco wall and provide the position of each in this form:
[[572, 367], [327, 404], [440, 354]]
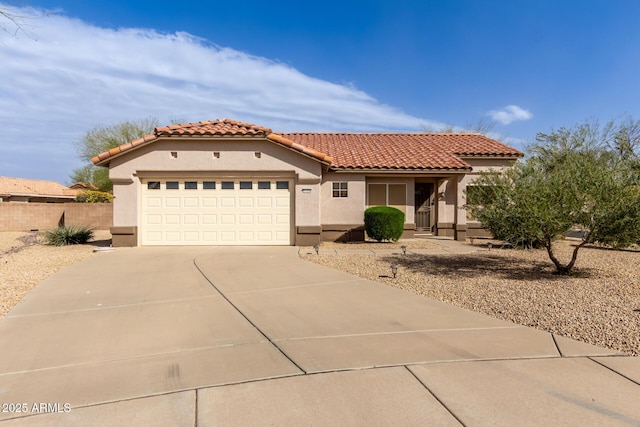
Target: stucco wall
[[343, 210]]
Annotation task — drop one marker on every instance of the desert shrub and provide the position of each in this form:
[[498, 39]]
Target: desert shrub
[[384, 223], [71, 235], [93, 196]]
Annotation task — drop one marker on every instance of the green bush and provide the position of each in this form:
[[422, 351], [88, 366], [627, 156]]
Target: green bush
[[71, 235], [384, 223]]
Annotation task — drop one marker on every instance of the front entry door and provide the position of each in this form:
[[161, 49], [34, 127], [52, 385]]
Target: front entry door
[[424, 199]]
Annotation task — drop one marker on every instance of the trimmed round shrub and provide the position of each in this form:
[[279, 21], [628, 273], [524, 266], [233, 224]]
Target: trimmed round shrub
[[71, 235], [384, 223]]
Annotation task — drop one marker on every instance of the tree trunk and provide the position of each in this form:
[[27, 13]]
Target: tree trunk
[[564, 270]]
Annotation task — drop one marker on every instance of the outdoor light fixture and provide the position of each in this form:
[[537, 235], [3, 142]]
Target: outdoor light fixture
[[317, 248], [404, 249], [394, 270]]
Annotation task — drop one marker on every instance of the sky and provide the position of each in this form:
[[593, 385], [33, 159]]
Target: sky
[[352, 66]]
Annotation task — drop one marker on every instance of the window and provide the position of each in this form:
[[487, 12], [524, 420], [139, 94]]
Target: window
[[246, 185], [153, 185], [264, 185], [282, 185], [191, 185], [209, 185], [172, 185], [226, 185], [340, 189], [394, 195]]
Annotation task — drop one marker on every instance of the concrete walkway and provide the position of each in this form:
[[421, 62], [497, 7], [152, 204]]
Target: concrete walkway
[[256, 336]]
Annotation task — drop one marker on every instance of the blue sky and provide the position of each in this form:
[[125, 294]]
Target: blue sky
[[531, 65]]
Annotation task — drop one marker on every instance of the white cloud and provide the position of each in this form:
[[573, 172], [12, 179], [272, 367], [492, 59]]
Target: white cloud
[[66, 76], [509, 114]]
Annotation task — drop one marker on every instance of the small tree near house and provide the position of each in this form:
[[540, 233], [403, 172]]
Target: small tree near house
[[571, 179]]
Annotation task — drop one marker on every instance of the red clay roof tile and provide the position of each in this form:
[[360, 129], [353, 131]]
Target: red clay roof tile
[[383, 151], [33, 187]]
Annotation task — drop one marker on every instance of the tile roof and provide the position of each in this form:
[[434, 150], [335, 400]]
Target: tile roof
[[402, 150], [379, 151], [220, 127], [33, 187]]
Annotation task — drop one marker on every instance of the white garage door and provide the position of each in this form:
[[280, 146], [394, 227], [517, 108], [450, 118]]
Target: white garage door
[[216, 212]]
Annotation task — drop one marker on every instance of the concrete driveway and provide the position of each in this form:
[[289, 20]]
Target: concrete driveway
[[256, 336]]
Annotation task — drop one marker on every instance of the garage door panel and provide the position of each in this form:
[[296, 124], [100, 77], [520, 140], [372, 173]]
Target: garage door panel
[[172, 202], [154, 236], [264, 202], [245, 219], [246, 236], [245, 202], [282, 202], [210, 236], [227, 236], [191, 219], [228, 202], [154, 202], [172, 236], [154, 219], [191, 236], [209, 219], [191, 202], [172, 219], [254, 214], [228, 219], [209, 202], [264, 219]]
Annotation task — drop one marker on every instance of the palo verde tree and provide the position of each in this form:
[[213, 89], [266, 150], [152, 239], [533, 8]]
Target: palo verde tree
[[101, 139], [571, 179]]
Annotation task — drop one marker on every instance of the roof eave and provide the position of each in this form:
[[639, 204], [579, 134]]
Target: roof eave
[[512, 156], [400, 170]]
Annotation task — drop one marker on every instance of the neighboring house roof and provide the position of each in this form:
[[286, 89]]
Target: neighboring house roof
[[382, 151], [34, 188], [83, 186]]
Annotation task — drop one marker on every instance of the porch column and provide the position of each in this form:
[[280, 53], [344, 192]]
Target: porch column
[[460, 212]]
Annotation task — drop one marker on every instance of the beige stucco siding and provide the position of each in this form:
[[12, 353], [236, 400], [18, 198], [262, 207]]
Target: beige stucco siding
[[343, 210]]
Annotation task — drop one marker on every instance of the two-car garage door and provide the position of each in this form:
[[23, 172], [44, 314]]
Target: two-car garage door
[[216, 212]]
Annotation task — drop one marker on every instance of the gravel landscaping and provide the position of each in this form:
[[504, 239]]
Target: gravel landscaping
[[25, 260], [599, 304]]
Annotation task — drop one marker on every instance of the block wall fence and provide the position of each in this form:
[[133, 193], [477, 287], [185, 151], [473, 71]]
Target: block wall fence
[[45, 216]]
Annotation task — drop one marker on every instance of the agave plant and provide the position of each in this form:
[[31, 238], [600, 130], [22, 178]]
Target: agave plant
[[68, 235]]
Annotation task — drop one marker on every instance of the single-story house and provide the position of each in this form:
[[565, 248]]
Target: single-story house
[[225, 182], [34, 190]]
